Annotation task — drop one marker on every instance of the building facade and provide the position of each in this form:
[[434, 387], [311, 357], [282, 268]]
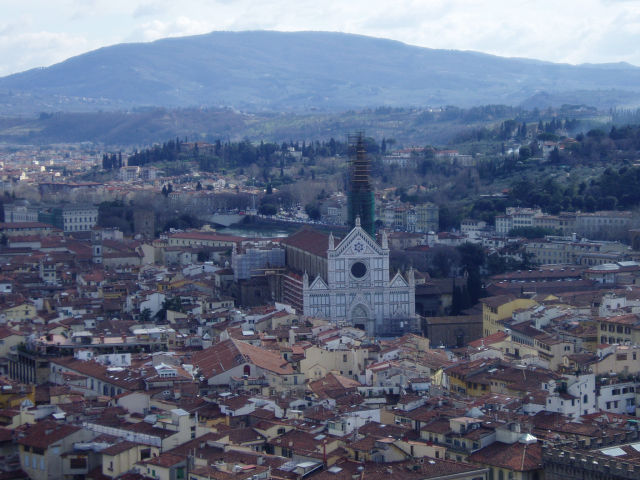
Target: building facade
[[358, 290], [77, 218]]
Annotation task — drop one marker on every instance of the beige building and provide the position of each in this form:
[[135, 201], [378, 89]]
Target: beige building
[[603, 224], [42, 446], [203, 239], [18, 313], [570, 251], [498, 308], [619, 329], [427, 217], [319, 361], [564, 223], [121, 457]]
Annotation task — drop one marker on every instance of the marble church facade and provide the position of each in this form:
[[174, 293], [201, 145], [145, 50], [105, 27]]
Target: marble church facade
[[358, 289]]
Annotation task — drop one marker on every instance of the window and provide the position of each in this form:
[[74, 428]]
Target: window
[[76, 463]]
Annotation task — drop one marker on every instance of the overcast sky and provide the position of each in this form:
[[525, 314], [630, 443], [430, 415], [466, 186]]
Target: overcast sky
[[35, 33]]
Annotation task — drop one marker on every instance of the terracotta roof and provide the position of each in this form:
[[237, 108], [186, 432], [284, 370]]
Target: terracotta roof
[[490, 340], [166, 460], [128, 378], [230, 353], [45, 433], [333, 386], [498, 300], [630, 319], [207, 236], [311, 241], [6, 332], [519, 457], [118, 448], [419, 469]]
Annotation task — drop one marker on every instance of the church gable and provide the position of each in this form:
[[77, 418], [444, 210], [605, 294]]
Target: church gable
[[318, 284], [398, 281], [358, 243]]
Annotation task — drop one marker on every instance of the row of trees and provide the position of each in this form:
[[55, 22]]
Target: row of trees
[[613, 189], [229, 155]]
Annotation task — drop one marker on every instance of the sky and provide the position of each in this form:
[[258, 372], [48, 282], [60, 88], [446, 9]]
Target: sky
[[38, 33]]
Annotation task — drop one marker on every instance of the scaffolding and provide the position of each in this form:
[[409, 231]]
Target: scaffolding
[[361, 198]]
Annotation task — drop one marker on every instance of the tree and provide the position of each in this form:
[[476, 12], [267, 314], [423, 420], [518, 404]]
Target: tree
[[313, 211], [268, 209], [524, 152], [174, 304], [145, 315]]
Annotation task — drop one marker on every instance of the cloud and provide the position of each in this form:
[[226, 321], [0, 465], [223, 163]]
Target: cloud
[[21, 51], [179, 27], [149, 9]]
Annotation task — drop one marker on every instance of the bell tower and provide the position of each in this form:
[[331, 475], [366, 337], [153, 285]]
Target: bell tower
[[96, 246]]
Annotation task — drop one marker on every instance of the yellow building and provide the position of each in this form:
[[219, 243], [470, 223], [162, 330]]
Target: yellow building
[[463, 378], [121, 457], [19, 313], [499, 308], [619, 329]]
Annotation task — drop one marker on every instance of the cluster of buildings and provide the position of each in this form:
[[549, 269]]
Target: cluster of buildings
[[199, 355], [565, 223], [391, 215], [150, 369]]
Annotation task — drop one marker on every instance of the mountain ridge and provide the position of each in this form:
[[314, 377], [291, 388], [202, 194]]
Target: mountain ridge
[[304, 71]]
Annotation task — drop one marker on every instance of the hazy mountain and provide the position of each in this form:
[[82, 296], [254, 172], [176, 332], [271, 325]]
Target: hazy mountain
[[262, 70]]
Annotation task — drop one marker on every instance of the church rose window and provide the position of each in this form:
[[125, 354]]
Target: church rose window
[[358, 269]]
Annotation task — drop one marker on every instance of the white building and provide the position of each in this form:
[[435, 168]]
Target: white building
[[359, 290], [618, 397], [576, 399], [516, 217], [20, 211], [78, 218]]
